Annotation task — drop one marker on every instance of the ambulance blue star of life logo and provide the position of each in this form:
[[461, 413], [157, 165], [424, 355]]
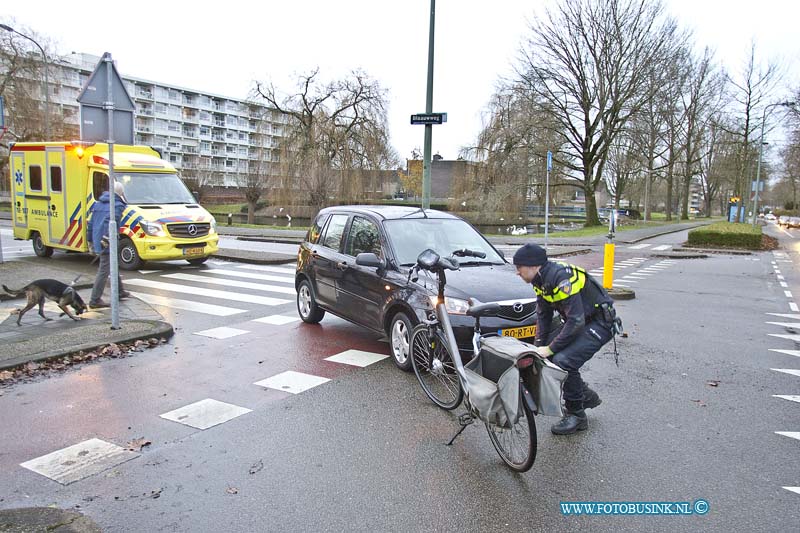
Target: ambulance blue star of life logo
[[18, 177]]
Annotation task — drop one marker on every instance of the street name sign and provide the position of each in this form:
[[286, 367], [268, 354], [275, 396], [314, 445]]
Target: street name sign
[[429, 118]]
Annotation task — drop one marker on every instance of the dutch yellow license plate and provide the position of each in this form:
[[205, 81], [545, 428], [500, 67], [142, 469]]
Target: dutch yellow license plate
[[193, 251], [519, 333]]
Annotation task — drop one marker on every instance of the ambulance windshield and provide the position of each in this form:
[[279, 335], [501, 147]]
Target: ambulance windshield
[[152, 188]]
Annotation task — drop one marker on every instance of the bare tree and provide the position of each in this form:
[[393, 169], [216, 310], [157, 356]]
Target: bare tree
[[200, 175], [753, 88], [590, 64], [333, 130]]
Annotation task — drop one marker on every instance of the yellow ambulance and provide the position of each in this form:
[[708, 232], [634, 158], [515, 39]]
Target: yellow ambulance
[[54, 184]]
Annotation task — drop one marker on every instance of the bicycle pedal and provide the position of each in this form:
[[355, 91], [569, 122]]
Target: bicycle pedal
[[466, 419]]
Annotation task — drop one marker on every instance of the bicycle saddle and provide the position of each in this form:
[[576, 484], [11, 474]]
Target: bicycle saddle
[[478, 309]]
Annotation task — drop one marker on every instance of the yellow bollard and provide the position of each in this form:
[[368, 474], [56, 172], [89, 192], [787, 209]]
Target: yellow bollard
[[608, 266]]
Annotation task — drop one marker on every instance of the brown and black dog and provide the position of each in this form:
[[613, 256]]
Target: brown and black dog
[[64, 295]]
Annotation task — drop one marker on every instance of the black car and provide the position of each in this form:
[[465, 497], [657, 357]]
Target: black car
[[355, 260]]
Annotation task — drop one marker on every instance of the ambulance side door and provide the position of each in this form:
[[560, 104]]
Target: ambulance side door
[[20, 202], [58, 216]]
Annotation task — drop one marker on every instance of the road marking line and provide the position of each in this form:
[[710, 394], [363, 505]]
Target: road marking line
[[277, 320], [211, 293], [795, 353], [788, 294], [291, 381], [662, 247], [79, 461], [146, 272], [233, 283], [782, 315], [783, 284], [793, 489], [638, 246], [248, 275], [793, 307], [268, 268], [780, 277], [785, 324], [188, 305], [790, 434], [791, 371], [790, 397], [357, 358], [795, 338], [205, 413], [221, 332]]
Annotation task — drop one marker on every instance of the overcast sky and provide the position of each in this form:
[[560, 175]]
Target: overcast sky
[[222, 47]]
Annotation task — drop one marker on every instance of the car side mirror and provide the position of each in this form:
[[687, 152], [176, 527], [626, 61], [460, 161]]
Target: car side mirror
[[370, 260]]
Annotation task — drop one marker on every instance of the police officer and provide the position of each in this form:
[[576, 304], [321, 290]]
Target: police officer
[[588, 320]]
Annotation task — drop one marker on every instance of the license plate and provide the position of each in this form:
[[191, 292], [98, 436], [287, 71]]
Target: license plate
[[193, 251], [519, 333]]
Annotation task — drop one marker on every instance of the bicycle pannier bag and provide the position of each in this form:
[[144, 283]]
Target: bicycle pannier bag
[[493, 380], [547, 387]]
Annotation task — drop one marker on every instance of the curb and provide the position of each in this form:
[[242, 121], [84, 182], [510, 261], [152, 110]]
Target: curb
[[160, 329], [713, 250], [680, 255], [232, 256], [621, 294]]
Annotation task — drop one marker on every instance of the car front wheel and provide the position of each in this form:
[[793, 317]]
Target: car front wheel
[[307, 306], [400, 340]]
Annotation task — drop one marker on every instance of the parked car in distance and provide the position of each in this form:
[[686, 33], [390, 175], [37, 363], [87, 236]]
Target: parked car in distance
[[769, 217], [783, 220], [794, 222], [355, 262]]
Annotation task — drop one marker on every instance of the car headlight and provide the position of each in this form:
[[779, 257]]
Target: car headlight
[[154, 229], [213, 225], [454, 306]]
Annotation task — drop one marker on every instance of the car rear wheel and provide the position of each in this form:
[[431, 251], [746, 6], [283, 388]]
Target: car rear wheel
[[400, 340], [307, 306], [40, 248]]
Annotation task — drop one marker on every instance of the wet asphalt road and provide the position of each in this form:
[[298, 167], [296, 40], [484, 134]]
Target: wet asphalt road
[[365, 451]]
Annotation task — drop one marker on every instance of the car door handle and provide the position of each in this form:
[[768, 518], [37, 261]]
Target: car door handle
[[342, 265]]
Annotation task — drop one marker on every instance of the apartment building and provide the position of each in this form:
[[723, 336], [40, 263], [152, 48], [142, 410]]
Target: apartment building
[[208, 137]]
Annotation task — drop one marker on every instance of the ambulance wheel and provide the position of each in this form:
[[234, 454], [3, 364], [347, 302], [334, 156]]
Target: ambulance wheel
[[40, 248], [197, 262], [128, 256]]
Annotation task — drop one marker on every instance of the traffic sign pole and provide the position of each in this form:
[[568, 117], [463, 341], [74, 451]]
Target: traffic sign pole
[[426, 160]]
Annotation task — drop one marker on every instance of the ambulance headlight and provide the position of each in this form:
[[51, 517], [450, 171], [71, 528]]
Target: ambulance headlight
[[213, 225], [154, 229]]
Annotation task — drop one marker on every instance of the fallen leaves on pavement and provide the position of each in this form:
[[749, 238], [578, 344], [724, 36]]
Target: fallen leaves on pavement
[[232, 490], [113, 350], [713, 383]]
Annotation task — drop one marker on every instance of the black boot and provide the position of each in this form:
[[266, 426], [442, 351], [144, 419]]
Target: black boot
[[573, 422], [590, 399]]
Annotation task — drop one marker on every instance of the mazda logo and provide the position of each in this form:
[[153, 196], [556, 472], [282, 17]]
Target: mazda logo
[[517, 307], [191, 229]]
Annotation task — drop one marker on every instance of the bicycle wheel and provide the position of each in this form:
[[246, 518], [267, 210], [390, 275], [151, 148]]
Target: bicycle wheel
[[516, 446], [433, 364]]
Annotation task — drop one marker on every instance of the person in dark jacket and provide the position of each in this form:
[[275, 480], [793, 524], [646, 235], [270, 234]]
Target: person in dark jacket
[[587, 314], [97, 231]]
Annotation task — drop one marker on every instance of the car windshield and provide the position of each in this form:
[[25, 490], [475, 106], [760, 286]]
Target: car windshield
[[154, 188], [410, 237]]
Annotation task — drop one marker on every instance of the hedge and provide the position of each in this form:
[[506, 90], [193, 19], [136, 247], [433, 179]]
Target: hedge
[[727, 234]]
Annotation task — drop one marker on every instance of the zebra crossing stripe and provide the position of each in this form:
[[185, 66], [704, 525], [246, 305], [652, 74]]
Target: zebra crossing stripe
[[795, 338], [793, 489], [210, 293], [291, 381], [790, 397], [662, 247], [277, 320], [786, 324], [205, 413], [783, 315], [268, 268], [795, 353], [187, 305], [232, 283], [790, 434], [790, 371], [248, 275], [79, 461], [793, 307], [638, 246]]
